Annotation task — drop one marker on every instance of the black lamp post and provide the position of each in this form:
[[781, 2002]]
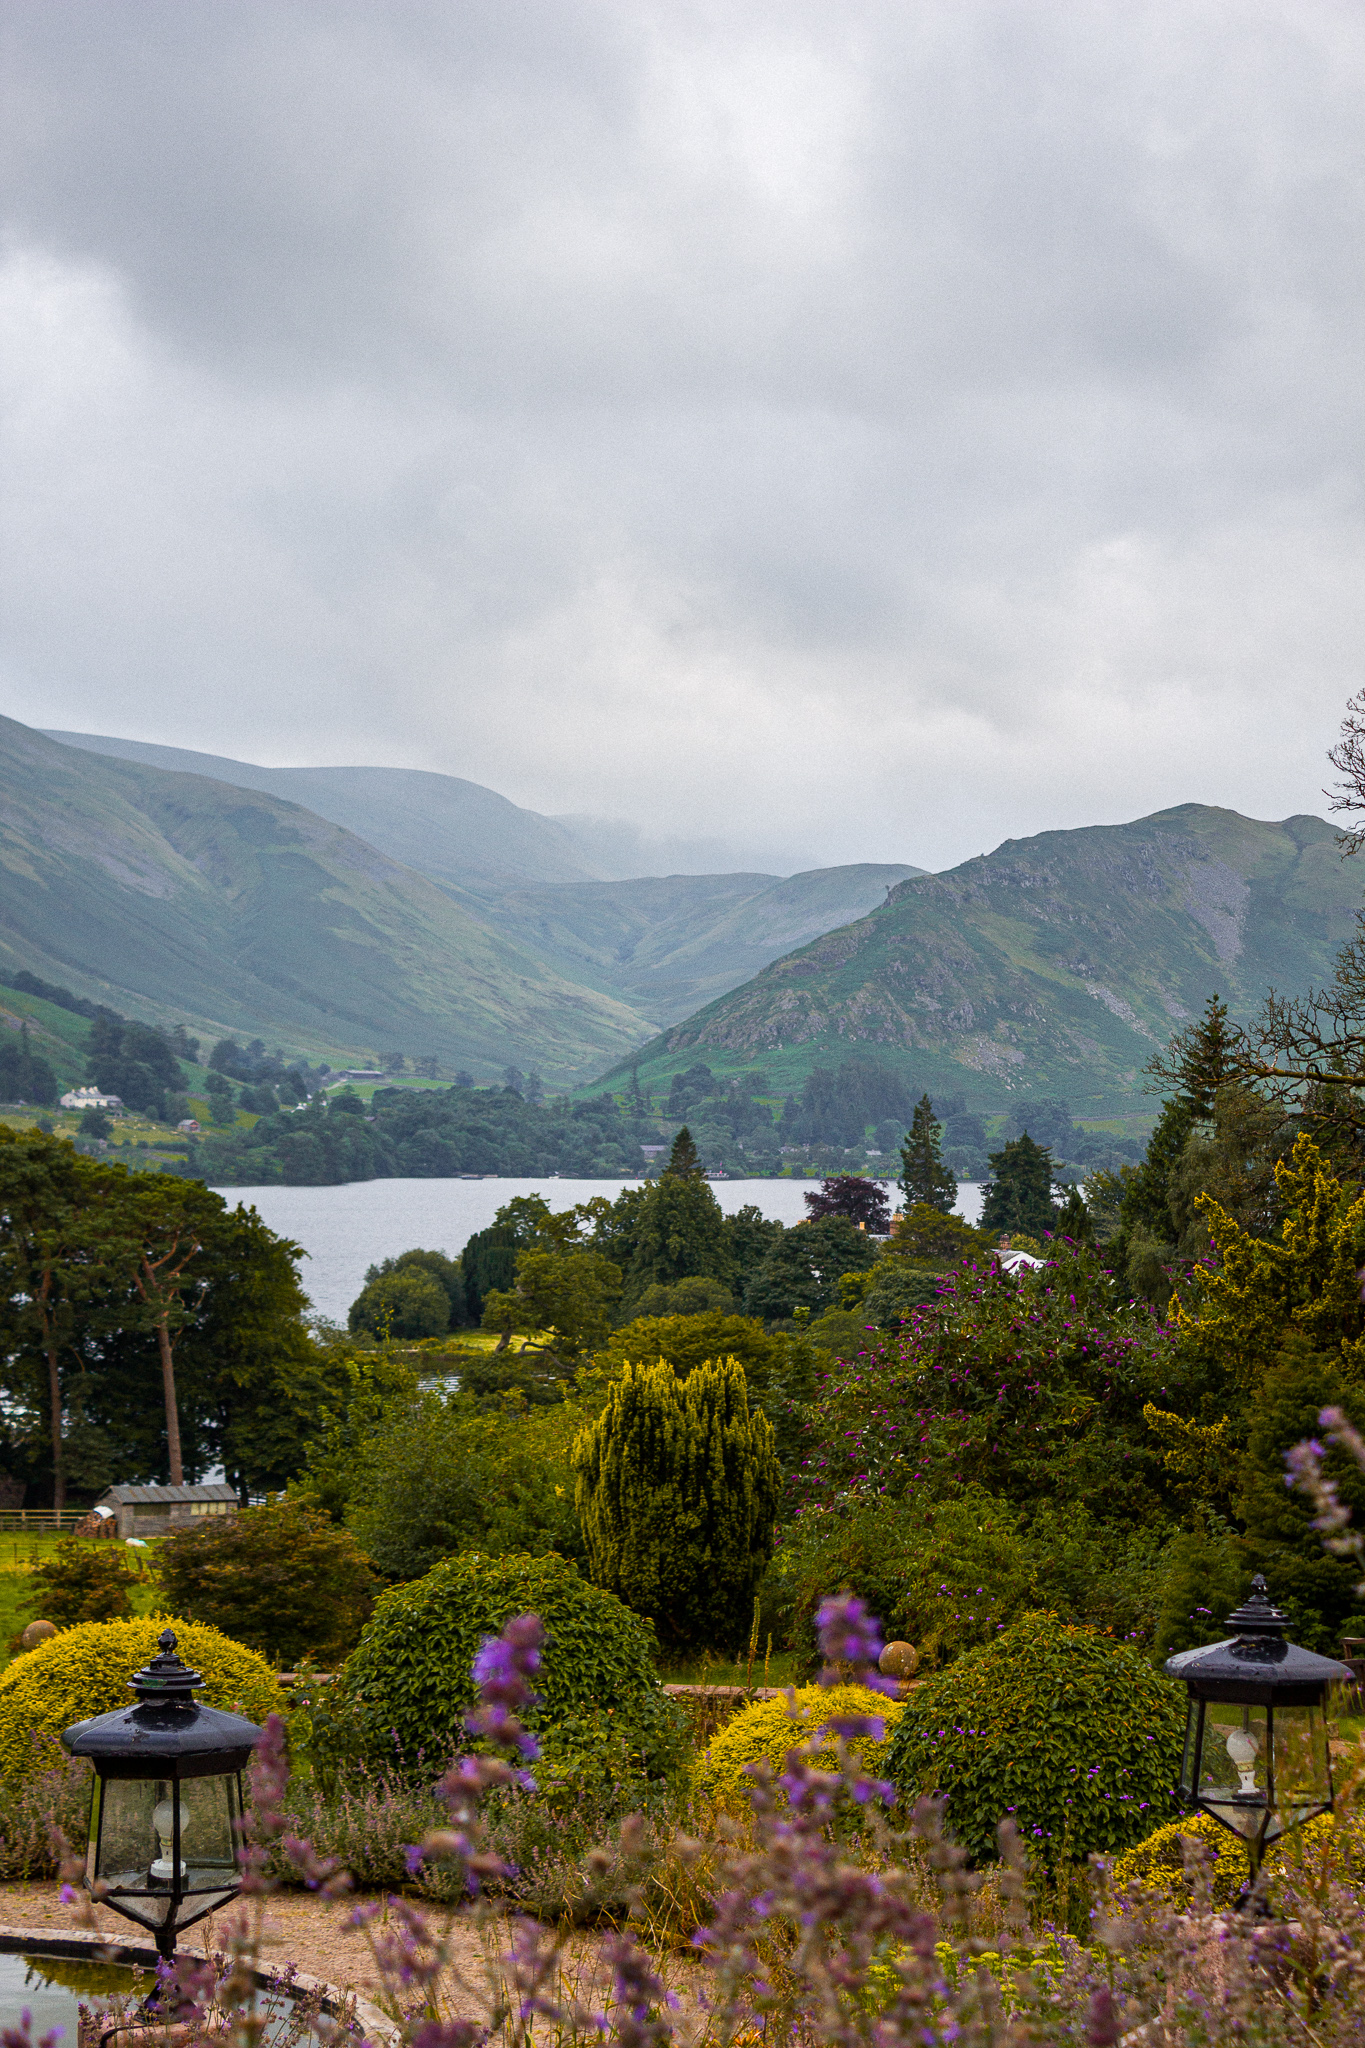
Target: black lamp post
[[166, 1806], [1256, 1754]]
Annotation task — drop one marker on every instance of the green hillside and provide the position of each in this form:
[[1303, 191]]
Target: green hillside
[[445, 827], [176, 897], [664, 944], [1053, 966]]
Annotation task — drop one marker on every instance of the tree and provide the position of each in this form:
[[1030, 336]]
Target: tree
[[54, 1255], [565, 1297], [677, 1491], [1200, 1060], [683, 1160], [678, 1230], [282, 1578], [1280, 1536], [1019, 1193], [94, 1123], [445, 1271], [804, 1268], [164, 1223], [408, 1302], [926, 1237], [924, 1177], [850, 1194]]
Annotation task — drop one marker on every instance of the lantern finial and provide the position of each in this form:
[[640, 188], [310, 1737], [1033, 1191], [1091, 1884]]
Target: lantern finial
[[166, 1678]]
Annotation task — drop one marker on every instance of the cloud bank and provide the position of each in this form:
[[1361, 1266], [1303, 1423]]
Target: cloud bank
[[853, 433]]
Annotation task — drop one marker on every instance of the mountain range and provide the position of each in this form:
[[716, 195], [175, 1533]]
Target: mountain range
[[349, 912], [1056, 965], [661, 945]]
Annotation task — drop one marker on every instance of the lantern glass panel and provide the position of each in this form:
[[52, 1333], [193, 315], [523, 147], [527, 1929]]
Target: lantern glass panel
[[1233, 1782], [1190, 1757], [1302, 1783], [128, 1844], [133, 1845]]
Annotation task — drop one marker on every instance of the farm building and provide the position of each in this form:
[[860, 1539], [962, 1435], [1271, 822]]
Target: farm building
[[156, 1510]]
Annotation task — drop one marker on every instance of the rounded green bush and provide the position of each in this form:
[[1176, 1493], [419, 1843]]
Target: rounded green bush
[[406, 1688], [1072, 1736], [84, 1671], [765, 1732]]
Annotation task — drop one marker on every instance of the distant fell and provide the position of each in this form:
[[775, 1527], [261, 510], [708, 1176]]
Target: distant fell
[[664, 944], [452, 830], [1054, 966], [172, 896]]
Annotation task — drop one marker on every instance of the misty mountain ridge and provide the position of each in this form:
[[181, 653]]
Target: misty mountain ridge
[[460, 833], [1055, 966]]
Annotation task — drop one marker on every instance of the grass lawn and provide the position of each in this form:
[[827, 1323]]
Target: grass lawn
[[706, 1669]]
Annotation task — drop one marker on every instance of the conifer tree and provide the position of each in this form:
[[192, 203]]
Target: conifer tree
[[924, 1177], [1019, 1193], [677, 1492], [684, 1161], [1200, 1060]]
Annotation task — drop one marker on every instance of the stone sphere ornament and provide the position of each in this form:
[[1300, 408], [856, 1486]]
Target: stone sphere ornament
[[898, 1660], [37, 1632]]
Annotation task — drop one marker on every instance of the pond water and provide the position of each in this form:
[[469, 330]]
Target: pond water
[[345, 1229], [53, 1988]]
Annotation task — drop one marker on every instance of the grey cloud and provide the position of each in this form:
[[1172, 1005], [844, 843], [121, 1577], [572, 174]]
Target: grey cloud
[[868, 432]]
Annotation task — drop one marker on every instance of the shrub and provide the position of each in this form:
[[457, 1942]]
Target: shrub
[[81, 1582], [35, 1806], [283, 1579], [678, 1487], [1071, 1735], [85, 1671], [401, 1700], [1162, 1865], [765, 1732]]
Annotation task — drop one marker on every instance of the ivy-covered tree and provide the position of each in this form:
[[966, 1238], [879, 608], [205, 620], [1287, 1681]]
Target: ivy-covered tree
[[924, 1177], [677, 1490]]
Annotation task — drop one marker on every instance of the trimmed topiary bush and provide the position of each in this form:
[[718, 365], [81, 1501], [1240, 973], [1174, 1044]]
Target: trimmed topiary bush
[[85, 1671], [677, 1492], [765, 1732], [1071, 1735], [405, 1690]]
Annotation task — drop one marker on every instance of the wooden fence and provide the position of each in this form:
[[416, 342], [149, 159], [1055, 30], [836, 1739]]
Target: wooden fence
[[38, 1519]]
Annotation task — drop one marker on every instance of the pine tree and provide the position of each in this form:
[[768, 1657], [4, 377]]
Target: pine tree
[[924, 1177], [1200, 1060], [1019, 1192], [677, 1492], [684, 1161]]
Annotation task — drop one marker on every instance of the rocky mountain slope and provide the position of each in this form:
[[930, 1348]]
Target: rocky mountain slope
[[1055, 965]]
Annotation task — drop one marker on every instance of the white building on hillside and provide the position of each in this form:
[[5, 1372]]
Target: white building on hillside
[[90, 1098]]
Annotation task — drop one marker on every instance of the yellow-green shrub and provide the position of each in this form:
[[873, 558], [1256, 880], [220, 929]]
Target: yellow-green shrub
[[768, 1729], [85, 1671], [1158, 1866]]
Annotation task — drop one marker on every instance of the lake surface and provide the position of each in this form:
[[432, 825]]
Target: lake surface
[[345, 1229]]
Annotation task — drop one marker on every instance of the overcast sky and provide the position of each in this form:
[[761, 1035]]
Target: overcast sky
[[854, 431]]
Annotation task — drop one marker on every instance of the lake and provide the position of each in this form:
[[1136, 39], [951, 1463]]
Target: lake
[[345, 1229]]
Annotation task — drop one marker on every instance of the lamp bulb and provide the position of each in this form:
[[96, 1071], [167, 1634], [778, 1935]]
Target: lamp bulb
[[1243, 1748]]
